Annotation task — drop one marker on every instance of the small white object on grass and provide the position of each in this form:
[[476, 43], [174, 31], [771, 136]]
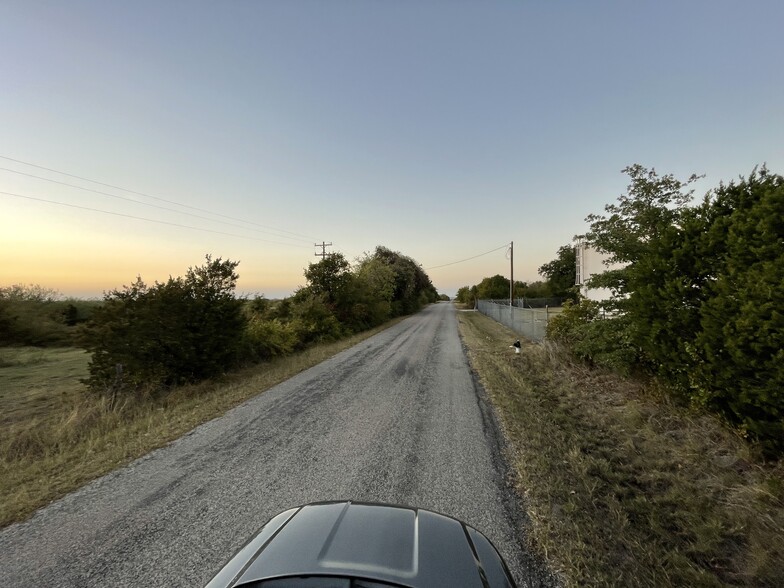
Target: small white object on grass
[[516, 346]]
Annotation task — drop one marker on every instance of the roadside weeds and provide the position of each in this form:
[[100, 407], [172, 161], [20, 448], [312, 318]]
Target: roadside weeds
[[622, 486]]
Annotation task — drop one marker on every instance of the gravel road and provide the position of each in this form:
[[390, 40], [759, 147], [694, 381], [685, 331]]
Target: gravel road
[[397, 418]]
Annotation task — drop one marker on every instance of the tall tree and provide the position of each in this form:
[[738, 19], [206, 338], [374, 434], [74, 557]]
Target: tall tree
[[464, 295], [632, 226], [561, 273], [493, 288], [329, 277], [413, 287], [643, 231]]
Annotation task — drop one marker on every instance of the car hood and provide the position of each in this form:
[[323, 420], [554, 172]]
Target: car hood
[[400, 545]]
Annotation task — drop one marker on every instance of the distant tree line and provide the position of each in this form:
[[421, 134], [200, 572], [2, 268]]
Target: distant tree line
[[33, 315], [192, 328], [559, 281], [699, 302]]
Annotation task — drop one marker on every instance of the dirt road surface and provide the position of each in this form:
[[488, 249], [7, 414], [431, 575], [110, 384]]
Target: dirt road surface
[[397, 418]]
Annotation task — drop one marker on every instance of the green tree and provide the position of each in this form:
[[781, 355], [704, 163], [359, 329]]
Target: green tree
[[329, 277], [413, 288], [29, 293], [643, 232], [464, 295], [740, 347], [184, 330], [633, 226], [493, 288], [314, 318], [261, 306], [340, 299], [375, 282], [8, 322], [589, 336], [561, 273], [538, 289], [701, 292]]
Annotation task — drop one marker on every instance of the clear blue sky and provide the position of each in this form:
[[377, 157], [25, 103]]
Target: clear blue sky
[[438, 129]]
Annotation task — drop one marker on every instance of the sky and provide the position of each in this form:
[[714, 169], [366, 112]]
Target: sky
[[137, 137]]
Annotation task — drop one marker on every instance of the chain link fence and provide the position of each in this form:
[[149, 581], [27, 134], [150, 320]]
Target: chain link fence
[[531, 323]]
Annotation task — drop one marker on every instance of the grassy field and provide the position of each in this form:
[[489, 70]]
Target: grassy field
[[623, 487], [56, 437], [35, 382]]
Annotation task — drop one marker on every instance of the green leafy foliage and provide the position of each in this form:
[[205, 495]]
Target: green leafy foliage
[[464, 295], [192, 328], [493, 288], [29, 293], [314, 319], [38, 316], [382, 285], [184, 330], [337, 301], [650, 230], [739, 350], [267, 338], [412, 286], [537, 289], [330, 277], [561, 274], [699, 300], [593, 337]]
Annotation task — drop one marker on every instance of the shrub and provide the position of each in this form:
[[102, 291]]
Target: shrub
[[739, 359], [700, 296], [595, 338], [185, 330], [270, 338], [313, 320]]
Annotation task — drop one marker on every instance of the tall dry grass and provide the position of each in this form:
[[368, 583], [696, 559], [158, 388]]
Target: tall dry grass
[[625, 488]]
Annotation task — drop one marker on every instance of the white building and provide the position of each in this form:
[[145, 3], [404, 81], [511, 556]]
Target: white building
[[589, 263]]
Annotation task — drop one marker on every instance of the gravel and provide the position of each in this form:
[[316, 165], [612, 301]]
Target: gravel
[[398, 418]]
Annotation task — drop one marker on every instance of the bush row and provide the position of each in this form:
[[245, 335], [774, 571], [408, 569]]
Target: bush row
[[194, 327], [699, 301]]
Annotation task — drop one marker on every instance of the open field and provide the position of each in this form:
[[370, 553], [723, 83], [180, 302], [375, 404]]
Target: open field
[[55, 436], [623, 487], [37, 382]]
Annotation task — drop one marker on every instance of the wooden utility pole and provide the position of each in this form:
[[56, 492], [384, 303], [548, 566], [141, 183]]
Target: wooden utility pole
[[511, 272], [323, 246]]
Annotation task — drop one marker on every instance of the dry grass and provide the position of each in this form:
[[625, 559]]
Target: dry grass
[[625, 488], [28, 375], [70, 437]]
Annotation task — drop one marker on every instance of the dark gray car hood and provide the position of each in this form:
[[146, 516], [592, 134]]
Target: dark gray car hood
[[401, 545]]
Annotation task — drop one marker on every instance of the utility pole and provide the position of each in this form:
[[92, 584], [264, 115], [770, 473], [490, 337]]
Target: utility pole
[[511, 272], [323, 246]]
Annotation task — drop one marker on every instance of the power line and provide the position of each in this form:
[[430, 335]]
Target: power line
[[151, 220], [146, 203], [504, 246], [305, 237]]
